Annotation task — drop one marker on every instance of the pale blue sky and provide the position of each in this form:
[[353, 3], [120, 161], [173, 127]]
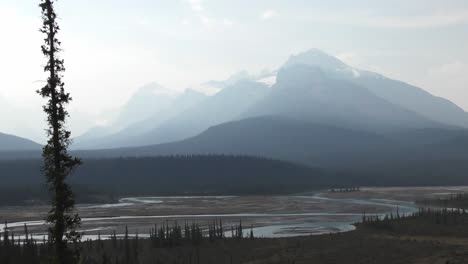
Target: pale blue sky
[[115, 46]]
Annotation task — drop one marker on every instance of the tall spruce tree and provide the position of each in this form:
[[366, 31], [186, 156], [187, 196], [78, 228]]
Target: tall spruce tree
[[58, 164]]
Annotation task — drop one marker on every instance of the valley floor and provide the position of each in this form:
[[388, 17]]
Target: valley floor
[[270, 216], [360, 246], [426, 236], [433, 237]]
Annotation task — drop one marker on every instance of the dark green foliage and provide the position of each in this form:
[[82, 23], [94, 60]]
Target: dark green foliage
[[216, 230], [102, 180], [372, 242], [345, 189], [58, 164], [459, 201], [20, 250], [125, 249], [198, 174], [436, 222], [168, 235]]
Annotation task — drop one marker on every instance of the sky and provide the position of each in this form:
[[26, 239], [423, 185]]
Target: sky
[[113, 47]]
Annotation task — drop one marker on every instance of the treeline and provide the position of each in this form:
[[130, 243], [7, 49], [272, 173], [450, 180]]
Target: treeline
[[345, 189], [459, 201], [101, 179], [443, 222], [15, 249], [34, 194], [125, 248]]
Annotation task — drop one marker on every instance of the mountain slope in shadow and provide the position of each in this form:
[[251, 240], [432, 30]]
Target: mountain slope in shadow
[[14, 143]]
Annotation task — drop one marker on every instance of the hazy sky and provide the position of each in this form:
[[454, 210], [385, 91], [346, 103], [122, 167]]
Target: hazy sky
[[112, 47]]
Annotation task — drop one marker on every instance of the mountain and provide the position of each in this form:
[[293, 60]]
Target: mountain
[[414, 99], [396, 92], [14, 143], [126, 136], [318, 111], [306, 92], [226, 105], [273, 137], [232, 80], [146, 102], [96, 132], [24, 119], [231, 98], [319, 59], [180, 104], [311, 88], [415, 157], [315, 144]]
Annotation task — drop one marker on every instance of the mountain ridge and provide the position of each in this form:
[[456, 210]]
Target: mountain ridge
[[14, 143], [311, 86]]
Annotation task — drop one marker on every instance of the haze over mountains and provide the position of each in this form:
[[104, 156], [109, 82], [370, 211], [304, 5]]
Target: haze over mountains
[[14, 143], [314, 110], [150, 107], [311, 86], [307, 93]]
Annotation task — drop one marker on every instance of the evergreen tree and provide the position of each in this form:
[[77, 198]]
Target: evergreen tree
[[58, 164]]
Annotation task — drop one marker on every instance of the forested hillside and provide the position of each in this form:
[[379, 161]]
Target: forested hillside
[[101, 179]]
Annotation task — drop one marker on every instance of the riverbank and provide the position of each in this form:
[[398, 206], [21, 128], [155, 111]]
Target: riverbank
[[367, 244], [270, 216]]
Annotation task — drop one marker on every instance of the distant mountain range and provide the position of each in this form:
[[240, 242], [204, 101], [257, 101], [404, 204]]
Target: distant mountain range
[[14, 143], [428, 156], [396, 92], [274, 137], [314, 110], [168, 108], [314, 144], [310, 87], [225, 106], [307, 93]]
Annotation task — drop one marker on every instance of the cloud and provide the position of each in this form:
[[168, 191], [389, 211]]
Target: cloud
[[268, 14], [227, 22], [142, 21], [206, 20], [451, 69], [422, 21], [371, 18], [185, 21], [199, 10], [196, 5]]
